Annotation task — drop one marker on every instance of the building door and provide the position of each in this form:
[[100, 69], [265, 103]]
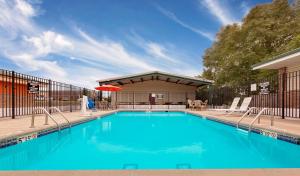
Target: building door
[[152, 98]]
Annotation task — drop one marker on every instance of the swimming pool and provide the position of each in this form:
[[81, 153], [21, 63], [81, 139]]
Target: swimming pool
[[150, 140]]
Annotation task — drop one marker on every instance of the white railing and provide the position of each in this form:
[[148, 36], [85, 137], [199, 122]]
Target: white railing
[[247, 114], [258, 118], [59, 112], [47, 115]]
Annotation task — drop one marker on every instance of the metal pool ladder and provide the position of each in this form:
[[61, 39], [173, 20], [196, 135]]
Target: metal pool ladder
[[59, 112], [47, 115], [247, 114], [257, 117]]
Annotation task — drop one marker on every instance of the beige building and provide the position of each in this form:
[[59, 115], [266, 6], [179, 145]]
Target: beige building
[[287, 88], [155, 90]]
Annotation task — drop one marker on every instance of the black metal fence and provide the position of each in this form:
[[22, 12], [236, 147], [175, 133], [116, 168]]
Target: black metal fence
[[280, 93], [21, 93]]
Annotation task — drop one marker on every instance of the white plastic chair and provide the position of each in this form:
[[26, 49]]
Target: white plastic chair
[[233, 106], [244, 107]]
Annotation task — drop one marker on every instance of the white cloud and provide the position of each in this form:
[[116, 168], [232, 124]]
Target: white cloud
[[48, 42], [87, 75], [15, 22], [24, 8], [173, 17], [219, 11], [28, 62], [30, 46], [167, 56], [157, 50], [154, 49], [15, 17], [109, 52]]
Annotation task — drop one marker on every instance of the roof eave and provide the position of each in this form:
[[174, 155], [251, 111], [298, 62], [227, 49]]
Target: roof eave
[[274, 59], [204, 81]]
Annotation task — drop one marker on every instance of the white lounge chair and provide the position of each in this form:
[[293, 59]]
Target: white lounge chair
[[203, 104], [197, 104], [191, 104], [244, 107], [233, 106]]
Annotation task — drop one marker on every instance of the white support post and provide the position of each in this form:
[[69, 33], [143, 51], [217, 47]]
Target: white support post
[[84, 105]]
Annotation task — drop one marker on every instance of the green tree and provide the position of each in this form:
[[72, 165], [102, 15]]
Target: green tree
[[268, 30]]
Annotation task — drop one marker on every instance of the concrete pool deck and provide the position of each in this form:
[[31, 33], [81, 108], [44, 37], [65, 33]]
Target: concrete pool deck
[[21, 125]]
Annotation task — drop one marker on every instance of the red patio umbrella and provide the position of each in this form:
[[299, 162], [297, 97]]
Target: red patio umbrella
[[108, 87]]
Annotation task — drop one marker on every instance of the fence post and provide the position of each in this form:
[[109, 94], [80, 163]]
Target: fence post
[[210, 96], [13, 94], [186, 97], [70, 99], [49, 95], [133, 99], [282, 95]]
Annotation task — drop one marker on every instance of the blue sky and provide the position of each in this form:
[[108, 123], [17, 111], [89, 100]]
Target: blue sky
[[81, 41]]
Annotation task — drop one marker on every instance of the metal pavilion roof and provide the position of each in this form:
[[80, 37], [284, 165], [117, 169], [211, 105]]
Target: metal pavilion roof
[[156, 75]]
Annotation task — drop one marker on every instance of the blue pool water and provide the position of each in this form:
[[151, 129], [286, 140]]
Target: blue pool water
[[157, 140]]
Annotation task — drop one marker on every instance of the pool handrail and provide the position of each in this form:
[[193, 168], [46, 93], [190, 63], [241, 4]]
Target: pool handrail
[[258, 118], [59, 112], [47, 114], [246, 114]]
